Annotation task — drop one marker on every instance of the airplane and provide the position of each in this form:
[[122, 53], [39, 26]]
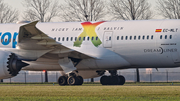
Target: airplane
[[81, 50]]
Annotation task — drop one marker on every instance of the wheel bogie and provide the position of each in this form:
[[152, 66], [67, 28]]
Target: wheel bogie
[[112, 80], [71, 80]]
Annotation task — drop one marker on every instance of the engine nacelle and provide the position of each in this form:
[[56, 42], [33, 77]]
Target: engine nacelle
[[9, 65]]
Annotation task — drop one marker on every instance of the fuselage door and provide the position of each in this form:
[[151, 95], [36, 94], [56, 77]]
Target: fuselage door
[[107, 39], [175, 48], [175, 57]]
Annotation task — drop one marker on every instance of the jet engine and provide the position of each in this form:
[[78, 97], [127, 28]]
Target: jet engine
[[10, 65]]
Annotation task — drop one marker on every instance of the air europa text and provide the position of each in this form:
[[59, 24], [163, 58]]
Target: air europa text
[[7, 38]]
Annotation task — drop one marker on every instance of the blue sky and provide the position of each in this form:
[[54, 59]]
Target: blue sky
[[18, 5]]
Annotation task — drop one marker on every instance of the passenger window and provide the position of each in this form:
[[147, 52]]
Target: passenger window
[[96, 38], [63, 39], [67, 39], [84, 38], [109, 38], [55, 39], [152, 37], [139, 37], [117, 37], [14, 40], [75, 38], [59, 39], [88, 38], [161, 37], [9, 40], [143, 37], [148, 37], [165, 36], [134, 37], [170, 36], [122, 37], [92, 38], [130, 37], [71, 38], [126, 37], [79, 38]]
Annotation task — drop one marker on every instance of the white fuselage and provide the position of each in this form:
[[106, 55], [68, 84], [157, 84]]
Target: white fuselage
[[122, 45]]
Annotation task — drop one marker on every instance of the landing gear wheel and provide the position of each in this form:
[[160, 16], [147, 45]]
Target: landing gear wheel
[[62, 80], [72, 80], [122, 80], [114, 80], [104, 80], [80, 80]]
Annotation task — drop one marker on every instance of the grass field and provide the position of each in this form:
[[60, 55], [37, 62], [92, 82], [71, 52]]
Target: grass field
[[90, 92]]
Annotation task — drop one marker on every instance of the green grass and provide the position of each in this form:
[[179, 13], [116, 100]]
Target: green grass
[[89, 92]]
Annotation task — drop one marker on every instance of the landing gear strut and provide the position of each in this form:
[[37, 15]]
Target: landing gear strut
[[72, 79], [114, 79]]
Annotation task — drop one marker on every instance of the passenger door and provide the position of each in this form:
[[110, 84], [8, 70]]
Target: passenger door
[[107, 39]]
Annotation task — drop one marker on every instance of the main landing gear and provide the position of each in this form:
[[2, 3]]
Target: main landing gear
[[72, 79], [114, 79]]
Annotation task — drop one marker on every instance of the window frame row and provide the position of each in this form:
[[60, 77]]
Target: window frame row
[[135, 37], [75, 38]]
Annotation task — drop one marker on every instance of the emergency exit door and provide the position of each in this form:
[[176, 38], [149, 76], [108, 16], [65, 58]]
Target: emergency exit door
[[107, 39]]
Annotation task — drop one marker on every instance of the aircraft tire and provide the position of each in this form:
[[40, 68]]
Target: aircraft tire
[[80, 80], [114, 80], [72, 80], [62, 80], [122, 80], [104, 80]]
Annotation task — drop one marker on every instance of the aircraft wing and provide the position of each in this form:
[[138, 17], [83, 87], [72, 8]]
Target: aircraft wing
[[31, 38]]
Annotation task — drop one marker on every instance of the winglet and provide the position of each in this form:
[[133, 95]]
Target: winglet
[[31, 24], [30, 27]]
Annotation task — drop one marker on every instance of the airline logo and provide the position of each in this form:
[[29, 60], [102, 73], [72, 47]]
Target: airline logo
[[158, 30], [7, 38], [89, 30]]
